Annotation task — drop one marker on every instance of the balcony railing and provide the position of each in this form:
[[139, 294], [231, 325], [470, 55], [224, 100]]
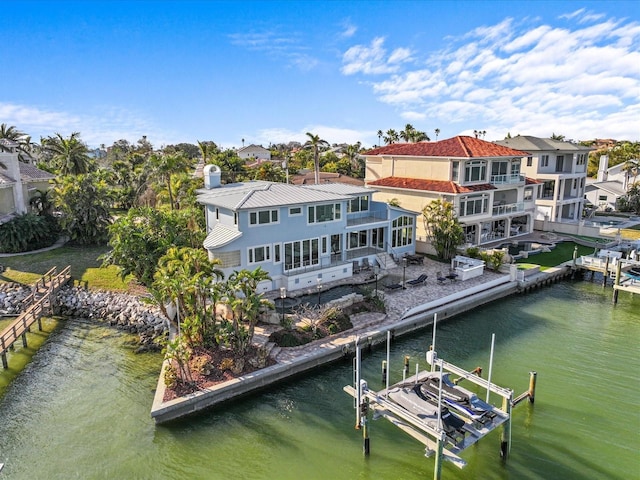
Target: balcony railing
[[508, 208], [362, 218], [505, 179]]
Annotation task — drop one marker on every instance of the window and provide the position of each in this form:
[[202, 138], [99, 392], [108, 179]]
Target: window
[[455, 171], [324, 242], [575, 183], [544, 160], [324, 213], [402, 231], [515, 167], [235, 218], [263, 217], [529, 161], [528, 194], [293, 211], [475, 171], [302, 253], [276, 253], [358, 204], [602, 198], [559, 163], [473, 204], [357, 239], [260, 254], [217, 214], [581, 159]]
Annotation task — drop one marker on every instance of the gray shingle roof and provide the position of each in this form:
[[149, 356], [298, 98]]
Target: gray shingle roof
[[529, 143], [29, 172]]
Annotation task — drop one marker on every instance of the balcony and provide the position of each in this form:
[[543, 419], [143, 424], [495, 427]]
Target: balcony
[[508, 208], [506, 179], [363, 218]]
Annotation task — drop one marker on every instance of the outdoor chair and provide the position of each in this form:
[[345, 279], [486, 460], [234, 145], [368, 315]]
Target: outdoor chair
[[365, 264], [441, 278], [393, 286], [418, 281], [356, 266]]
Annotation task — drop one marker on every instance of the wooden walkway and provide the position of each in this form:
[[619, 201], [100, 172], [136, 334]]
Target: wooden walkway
[[39, 301]]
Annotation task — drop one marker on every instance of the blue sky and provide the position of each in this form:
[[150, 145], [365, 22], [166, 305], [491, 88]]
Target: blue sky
[[269, 71]]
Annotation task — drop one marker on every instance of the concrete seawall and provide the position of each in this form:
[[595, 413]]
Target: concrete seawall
[[325, 351]]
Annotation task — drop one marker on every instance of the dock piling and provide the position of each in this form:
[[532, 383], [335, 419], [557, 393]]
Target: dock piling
[[532, 386]]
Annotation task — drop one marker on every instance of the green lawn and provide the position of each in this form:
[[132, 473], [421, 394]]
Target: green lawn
[[85, 267], [562, 253]]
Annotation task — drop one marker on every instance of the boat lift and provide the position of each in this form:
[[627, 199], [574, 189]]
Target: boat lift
[[430, 430]]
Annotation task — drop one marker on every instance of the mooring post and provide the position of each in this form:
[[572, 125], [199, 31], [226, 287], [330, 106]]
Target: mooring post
[[617, 282], [384, 372], [505, 440], [532, 386], [5, 363], [24, 339], [365, 427], [606, 273], [437, 469]]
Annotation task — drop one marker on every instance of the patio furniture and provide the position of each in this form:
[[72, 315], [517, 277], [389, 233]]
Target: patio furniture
[[393, 286], [356, 266], [452, 276], [365, 264], [441, 278], [418, 281]]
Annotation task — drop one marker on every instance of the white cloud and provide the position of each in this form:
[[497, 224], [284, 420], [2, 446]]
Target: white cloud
[[373, 59], [348, 29], [329, 133], [104, 125], [572, 77]]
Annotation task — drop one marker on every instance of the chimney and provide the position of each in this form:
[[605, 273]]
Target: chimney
[[602, 169], [212, 174]]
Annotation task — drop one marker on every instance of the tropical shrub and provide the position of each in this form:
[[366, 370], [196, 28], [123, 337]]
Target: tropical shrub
[[28, 232]]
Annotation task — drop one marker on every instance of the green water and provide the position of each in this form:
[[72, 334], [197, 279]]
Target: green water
[[81, 408]]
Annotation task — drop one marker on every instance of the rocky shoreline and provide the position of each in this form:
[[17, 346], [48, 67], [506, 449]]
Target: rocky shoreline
[[125, 312]]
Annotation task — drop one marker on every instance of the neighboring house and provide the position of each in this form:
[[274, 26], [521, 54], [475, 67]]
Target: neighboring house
[[610, 184], [254, 152], [562, 169], [18, 182], [301, 235], [309, 178], [491, 197]]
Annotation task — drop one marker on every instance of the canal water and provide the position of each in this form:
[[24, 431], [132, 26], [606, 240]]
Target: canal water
[[81, 408]]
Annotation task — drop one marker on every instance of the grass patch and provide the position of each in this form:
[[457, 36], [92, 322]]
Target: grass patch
[[85, 267], [563, 252]]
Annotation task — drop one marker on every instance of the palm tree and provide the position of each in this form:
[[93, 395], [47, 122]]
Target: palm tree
[[631, 167], [391, 136], [315, 142], [408, 133], [21, 139], [69, 155], [352, 152], [380, 133], [163, 166], [437, 130]]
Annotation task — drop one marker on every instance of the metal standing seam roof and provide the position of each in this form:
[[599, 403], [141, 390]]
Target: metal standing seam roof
[[221, 235], [340, 188], [265, 194]]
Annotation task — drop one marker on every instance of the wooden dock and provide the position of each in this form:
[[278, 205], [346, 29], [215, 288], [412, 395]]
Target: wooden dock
[[39, 302]]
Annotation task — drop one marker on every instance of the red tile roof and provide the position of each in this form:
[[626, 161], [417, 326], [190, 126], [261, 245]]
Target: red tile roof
[[440, 186], [457, 147]]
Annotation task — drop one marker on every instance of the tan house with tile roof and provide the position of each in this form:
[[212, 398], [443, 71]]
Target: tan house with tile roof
[[492, 199], [18, 182]]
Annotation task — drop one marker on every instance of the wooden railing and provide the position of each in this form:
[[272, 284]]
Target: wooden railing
[[37, 301]]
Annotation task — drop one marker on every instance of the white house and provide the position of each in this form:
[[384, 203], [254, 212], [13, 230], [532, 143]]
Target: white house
[[610, 184], [19, 182], [253, 152], [301, 235], [561, 167], [483, 181]]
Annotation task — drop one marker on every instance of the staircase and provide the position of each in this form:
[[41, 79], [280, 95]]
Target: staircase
[[386, 261]]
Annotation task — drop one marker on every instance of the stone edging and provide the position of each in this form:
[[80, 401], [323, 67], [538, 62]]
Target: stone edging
[[328, 351]]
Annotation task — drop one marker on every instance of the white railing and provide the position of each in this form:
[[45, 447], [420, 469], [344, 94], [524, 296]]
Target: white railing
[[502, 179], [508, 208]]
